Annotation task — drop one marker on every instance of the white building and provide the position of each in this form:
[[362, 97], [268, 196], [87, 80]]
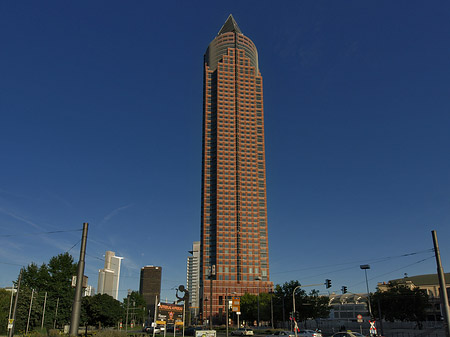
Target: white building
[[108, 278], [89, 291], [193, 278]]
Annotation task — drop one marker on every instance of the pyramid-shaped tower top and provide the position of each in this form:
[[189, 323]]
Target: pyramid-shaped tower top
[[230, 26]]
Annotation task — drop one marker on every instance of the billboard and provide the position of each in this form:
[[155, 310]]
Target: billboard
[[170, 314]]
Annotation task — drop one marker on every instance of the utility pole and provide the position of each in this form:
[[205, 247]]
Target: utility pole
[[11, 331], [226, 308], [211, 276], [155, 317], [43, 311], [128, 306], [29, 311], [442, 285], [56, 313], [76, 308]]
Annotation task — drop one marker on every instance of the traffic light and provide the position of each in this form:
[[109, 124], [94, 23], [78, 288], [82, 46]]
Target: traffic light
[[297, 316], [328, 283], [344, 289]]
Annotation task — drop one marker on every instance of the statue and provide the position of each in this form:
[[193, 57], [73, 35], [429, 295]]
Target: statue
[[184, 299]]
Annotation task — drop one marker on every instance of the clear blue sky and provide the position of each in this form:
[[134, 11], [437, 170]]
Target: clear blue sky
[[101, 113]]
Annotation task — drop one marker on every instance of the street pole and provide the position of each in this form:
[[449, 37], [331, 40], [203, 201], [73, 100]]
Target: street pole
[[226, 308], [76, 308], [258, 278], [11, 331], [128, 307], [56, 313], [442, 285], [211, 301], [184, 313], [154, 319], [271, 307], [10, 304], [29, 311], [293, 310], [258, 306], [43, 311], [211, 276], [365, 267]]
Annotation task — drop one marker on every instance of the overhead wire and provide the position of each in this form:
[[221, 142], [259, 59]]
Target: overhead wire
[[373, 261], [39, 233]]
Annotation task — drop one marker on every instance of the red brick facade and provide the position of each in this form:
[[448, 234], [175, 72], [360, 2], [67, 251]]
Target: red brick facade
[[234, 210]]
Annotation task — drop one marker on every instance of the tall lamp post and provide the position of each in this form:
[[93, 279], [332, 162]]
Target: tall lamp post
[[293, 309], [258, 278], [365, 267]]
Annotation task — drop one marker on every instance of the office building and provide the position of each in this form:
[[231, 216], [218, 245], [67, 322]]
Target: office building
[[234, 241], [150, 287], [193, 278], [108, 278]]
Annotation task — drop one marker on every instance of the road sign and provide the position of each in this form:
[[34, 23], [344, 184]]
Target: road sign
[[360, 319], [235, 304]]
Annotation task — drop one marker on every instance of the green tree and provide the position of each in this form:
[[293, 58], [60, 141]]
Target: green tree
[[101, 310], [308, 306], [137, 307], [5, 300], [283, 299], [400, 302], [249, 307], [54, 279]]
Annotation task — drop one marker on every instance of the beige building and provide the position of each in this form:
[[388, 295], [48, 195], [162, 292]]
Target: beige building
[[429, 283]]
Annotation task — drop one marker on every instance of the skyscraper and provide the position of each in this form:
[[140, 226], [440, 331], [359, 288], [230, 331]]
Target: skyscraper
[[150, 287], [193, 278], [234, 242], [108, 278]]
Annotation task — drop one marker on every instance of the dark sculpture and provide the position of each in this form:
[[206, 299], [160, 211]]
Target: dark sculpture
[[185, 298]]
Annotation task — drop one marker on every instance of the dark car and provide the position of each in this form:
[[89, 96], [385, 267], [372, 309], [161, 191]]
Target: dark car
[[190, 331]]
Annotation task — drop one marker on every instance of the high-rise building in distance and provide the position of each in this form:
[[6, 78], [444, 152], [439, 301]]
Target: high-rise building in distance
[[150, 287], [193, 278], [108, 277], [234, 241]]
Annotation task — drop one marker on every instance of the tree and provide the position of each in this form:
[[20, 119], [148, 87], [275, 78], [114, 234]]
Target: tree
[[5, 301], [283, 299], [249, 307], [308, 306], [102, 310], [55, 280], [137, 308], [400, 302]]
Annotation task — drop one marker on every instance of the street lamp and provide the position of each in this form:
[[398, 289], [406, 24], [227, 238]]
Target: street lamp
[[128, 307], [365, 267], [293, 309], [271, 307], [258, 278]]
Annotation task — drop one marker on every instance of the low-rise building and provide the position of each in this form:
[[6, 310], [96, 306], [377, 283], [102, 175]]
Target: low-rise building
[[427, 282]]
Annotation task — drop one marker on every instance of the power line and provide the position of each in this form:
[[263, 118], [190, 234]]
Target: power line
[[376, 260], [74, 245], [393, 271], [11, 264], [39, 233]]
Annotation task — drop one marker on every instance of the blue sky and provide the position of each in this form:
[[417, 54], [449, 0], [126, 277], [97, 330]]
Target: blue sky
[[100, 119]]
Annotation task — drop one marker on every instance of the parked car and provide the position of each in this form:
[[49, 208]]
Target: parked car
[[348, 334], [149, 329], [242, 332], [309, 333], [282, 334], [190, 331]]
